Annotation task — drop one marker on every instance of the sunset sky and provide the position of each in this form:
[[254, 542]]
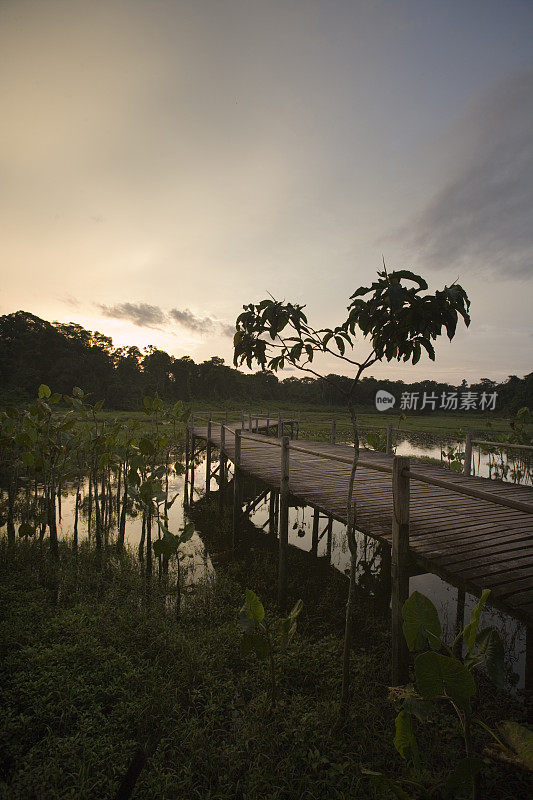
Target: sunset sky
[[163, 162]]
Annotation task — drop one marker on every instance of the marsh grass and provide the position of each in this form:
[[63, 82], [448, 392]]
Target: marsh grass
[[95, 671]]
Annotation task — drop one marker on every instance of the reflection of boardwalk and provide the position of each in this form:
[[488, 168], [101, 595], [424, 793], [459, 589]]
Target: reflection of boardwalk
[[473, 542]]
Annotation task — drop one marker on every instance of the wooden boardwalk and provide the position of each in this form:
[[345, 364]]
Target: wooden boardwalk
[[471, 542]]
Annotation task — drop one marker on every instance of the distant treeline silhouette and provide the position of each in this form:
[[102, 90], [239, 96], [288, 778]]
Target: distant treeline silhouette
[[34, 351]]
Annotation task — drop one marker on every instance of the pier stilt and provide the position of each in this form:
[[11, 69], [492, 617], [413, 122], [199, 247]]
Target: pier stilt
[[237, 491], [400, 568], [283, 524]]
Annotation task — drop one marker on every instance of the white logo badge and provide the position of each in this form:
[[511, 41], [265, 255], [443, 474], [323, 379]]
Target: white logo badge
[[384, 400]]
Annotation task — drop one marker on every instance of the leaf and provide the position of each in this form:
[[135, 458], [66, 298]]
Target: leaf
[[55, 398], [146, 446], [188, 532], [419, 616], [44, 391], [470, 631], [520, 739], [463, 774], [77, 392], [163, 547], [404, 739], [254, 606], [489, 647], [28, 459], [439, 676], [254, 643]]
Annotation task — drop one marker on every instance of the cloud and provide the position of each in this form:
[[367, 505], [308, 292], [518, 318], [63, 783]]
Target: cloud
[[148, 316], [481, 220], [141, 314], [203, 325]]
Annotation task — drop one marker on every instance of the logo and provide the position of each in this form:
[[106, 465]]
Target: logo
[[384, 400]]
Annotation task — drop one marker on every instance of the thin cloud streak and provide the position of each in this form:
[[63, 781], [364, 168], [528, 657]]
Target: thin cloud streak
[[481, 220], [145, 315], [141, 314]]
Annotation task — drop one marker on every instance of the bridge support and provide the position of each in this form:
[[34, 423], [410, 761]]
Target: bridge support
[[283, 524], [399, 568], [187, 446], [460, 619], [314, 542], [237, 491], [223, 469], [209, 452]]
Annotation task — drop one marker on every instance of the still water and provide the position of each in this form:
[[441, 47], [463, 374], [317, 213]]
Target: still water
[[372, 567]]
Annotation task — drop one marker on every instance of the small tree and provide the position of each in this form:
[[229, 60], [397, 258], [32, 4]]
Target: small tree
[[395, 316]]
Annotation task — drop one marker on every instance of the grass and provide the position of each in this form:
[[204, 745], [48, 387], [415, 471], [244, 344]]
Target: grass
[[97, 672]]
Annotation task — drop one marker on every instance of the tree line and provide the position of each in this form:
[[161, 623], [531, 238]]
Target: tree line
[[34, 351]]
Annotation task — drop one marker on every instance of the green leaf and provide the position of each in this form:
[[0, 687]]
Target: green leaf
[[296, 610], [419, 616], [188, 532], [254, 643], [489, 647], [254, 606], [470, 632], [26, 529], [404, 739], [55, 398], [520, 740], [44, 391], [462, 776], [146, 446], [28, 459], [439, 676], [77, 392], [164, 547]]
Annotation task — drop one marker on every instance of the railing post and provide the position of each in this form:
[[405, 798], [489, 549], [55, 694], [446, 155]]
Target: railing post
[[193, 447], [242, 420], [250, 421], [223, 468], [297, 426], [208, 460], [272, 513], [268, 425], [333, 430], [314, 541], [399, 567], [187, 446], [467, 467], [237, 490], [280, 426], [389, 439], [283, 524], [257, 424]]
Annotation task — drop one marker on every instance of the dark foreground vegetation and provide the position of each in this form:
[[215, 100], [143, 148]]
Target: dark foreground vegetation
[[34, 351], [101, 684]]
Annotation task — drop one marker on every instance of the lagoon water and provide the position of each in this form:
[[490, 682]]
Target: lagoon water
[[198, 562]]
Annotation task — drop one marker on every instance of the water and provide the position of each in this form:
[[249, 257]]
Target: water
[[373, 570]]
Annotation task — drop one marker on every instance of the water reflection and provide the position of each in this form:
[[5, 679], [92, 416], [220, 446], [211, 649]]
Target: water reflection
[[373, 564]]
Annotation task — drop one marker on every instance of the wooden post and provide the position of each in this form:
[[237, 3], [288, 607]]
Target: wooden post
[[208, 460], [283, 524], [333, 430], [280, 426], [250, 421], [467, 467], [389, 439], [223, 468], [297, 426], [242, 420], [257, 424], [528, 679], [329, 538], [237, 490], [268, 425], [187, 445], [272, 520], [191, 489], [314, 543], [399, 568]]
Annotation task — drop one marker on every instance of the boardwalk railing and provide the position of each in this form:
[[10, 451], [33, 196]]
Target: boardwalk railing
[[401, 476]]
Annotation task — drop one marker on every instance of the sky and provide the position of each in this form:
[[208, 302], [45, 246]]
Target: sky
[[164, 162]]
